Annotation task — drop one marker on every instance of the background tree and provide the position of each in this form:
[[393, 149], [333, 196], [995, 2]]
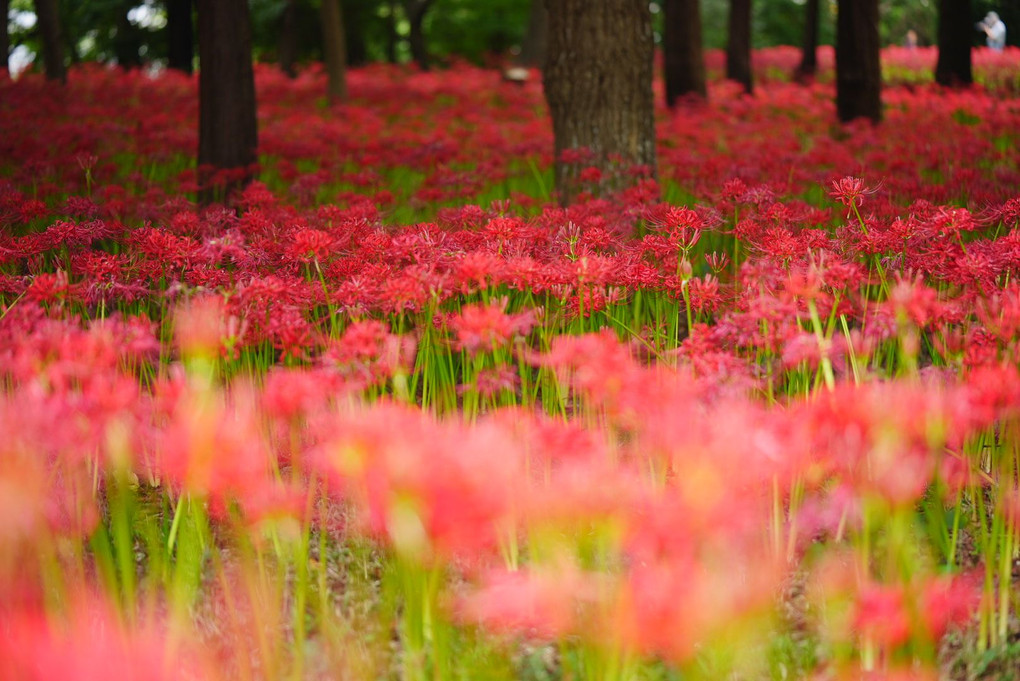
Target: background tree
[[738, 48], [228, 131], [598, 83], [858, 65], [289, 38], [808, 66], [956, 33], [48, 17], [334, 50], [484, 31], [416, 10], [899, 16], [127, 38], [180, 36], [533, 47], [5, 38], [683, 57]]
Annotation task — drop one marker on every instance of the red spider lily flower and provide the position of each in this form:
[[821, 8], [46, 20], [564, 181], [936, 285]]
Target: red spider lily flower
[[881, 614], [948, 601], [51, 288], [483, 328], [89, 643], [432, 490], [213, 447], [915, 302], [850, 191], [310, 244], [682, 225], [547, 603], [492, 382], [368, 353], [717, 261]]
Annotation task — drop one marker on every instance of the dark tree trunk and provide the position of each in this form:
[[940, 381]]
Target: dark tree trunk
[[354, 38], [5, 39], [334, 51], [598, 83], [808, 66], [127, 41], [416, 10], [52, 39], [289, 39], [180, 36], [738, 49], [533, 49], [391, 33], [684, 59], [227, 133], [858, 66], [955, 33]]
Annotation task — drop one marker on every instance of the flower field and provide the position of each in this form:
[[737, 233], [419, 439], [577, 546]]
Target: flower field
[[394, 413]]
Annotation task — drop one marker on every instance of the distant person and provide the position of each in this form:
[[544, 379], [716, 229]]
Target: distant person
[[911, 40], [995, 31]]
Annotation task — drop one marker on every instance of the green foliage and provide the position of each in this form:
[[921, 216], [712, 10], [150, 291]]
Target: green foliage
[[473, 29], [96, 30], [377, 30]]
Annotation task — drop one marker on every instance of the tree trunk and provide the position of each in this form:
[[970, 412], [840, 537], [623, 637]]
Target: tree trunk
[[334, 51], [858, 66], [808, 66], [955, 32], [738, 49], [289, 39], [598, 83], [391, 33], [127, 40], [5, 38], [416, 10], [533, 49], [227, 133], [52, 39], [180, 36], [354, 35], [684, 59]]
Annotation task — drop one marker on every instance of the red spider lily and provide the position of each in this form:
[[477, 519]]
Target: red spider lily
[[89, 643], [850, 191], [882, 616], [431, 490], [213, 447], [948, 601], [368, 353], [483, 328], [547, 604]]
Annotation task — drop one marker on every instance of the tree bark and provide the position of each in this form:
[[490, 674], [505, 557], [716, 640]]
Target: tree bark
[[289, 39], [808, 66], [533, 48], [391, 33], [416, 10], [354, 37], [955, 31], [684, 59], [738, 49], [228, 129], [334, 51], [598, 83], [180, 36], [127, 41], [5, 38], [858, 66], [52, 38]]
